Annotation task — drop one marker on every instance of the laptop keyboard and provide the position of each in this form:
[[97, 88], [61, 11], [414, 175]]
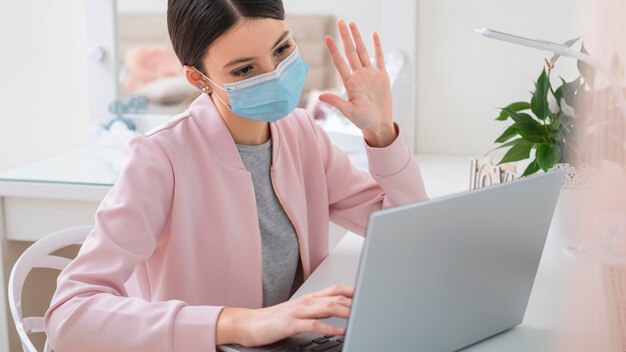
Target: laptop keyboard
[[326, 343]]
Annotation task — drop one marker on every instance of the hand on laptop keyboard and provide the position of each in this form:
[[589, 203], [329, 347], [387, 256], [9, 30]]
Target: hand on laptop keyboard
[[258, 327]]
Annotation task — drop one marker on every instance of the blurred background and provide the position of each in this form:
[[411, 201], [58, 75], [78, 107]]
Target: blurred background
[[54, 88]]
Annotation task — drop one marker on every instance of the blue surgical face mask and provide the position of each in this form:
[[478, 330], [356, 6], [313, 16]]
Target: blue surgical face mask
[[269, 96]]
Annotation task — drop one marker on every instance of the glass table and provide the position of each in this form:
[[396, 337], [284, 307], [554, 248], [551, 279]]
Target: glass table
[[61, 190]]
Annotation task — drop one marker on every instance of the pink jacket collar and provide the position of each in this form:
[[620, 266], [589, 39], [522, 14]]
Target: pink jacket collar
[[204, 111]]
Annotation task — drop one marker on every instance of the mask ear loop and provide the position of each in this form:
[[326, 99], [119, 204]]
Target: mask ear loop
[[204, 89]]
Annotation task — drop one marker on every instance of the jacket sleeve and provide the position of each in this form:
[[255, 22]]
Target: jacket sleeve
[[393, 179], [91, 310]]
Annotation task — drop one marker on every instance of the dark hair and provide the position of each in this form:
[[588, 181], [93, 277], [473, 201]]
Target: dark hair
[[194, 25]]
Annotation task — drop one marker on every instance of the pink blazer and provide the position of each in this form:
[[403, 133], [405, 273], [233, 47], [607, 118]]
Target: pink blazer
[[176, 238]]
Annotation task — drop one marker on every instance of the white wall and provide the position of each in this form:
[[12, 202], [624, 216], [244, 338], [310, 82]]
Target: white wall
[[367, 17], [142, 6], [43, 99], [463, 78]]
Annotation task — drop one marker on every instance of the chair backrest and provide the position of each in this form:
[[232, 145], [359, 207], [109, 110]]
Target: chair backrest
[[38, 255]]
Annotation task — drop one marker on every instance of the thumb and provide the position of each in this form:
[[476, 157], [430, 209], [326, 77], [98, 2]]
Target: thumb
[[336, 101]]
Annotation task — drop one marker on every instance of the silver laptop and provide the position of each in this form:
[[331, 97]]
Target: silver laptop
[[443, 274]]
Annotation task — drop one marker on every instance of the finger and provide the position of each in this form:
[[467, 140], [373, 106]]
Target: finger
[[340, 63], [378, 48], [364, 56], [348, 46], [323, 310], [339, 299], [336, 101], [312, 325], [335, 290]]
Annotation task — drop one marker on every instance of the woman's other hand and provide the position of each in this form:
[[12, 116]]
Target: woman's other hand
[[258, 327]]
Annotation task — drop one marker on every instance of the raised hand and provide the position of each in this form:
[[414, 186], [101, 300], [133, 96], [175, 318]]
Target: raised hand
[[369, 104]]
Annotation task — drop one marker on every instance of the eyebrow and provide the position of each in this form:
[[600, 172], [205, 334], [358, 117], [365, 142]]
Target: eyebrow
[[244, 59], [282, 36]]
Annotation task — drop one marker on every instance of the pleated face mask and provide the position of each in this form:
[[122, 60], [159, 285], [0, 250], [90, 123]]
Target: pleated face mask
[[269, 96]]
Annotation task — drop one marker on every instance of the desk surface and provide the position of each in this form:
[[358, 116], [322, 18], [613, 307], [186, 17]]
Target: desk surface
[[86, 164], [537, 331], [83, 173]]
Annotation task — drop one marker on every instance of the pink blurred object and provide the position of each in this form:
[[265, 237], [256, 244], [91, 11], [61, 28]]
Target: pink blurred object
[[149, 63], [314, 106]]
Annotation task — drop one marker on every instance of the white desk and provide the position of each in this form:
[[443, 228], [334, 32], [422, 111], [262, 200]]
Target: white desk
[[40, 197], [66, 189], [536, 333]]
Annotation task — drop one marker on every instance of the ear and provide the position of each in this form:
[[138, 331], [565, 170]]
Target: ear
[[195, 79]]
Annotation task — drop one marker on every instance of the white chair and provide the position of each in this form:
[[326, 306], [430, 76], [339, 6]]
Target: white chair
[[38, 255]]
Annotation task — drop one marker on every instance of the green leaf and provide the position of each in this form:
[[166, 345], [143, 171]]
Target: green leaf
[[519, 151], [531, 131], [556, 135], [506, 135], [586, 70], [517, 106], [548, 155], [567, 91], [539, 101], [520, 116], [555, 124], [531, 168], [507, 144]]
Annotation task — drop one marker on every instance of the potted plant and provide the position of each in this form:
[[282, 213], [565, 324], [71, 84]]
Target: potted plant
[[542, 132], [545, 124]]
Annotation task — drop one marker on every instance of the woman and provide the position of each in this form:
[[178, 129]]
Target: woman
[[222, 212]]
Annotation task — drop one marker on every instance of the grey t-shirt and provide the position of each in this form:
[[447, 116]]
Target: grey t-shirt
[[282, 270]]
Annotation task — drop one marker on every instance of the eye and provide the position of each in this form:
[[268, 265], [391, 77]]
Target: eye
[[242, 71], [283, 49]]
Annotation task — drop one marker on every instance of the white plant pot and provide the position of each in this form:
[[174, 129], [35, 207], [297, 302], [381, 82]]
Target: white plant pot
[[570, 207]]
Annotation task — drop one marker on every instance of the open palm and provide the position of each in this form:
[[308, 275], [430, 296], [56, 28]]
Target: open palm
[[369, 102]]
